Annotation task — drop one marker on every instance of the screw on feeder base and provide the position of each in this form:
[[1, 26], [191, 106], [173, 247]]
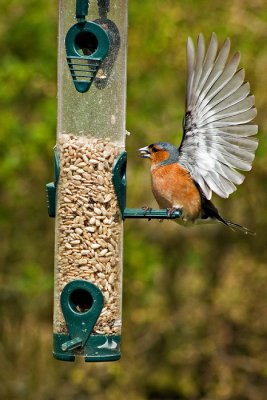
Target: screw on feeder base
[[72, 344]]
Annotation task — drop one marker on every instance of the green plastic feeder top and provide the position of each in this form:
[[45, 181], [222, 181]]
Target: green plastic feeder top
[[87, 45]]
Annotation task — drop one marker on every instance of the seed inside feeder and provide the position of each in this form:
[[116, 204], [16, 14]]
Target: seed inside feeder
[[89, 229]]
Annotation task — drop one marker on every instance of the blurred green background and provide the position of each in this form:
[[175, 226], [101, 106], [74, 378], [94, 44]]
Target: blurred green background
[[195, 300]]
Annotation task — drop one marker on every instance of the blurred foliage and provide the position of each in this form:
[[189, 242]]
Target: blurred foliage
[[195, 300]]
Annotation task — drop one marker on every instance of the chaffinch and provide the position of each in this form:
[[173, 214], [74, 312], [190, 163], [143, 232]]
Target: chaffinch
[[217, 137]]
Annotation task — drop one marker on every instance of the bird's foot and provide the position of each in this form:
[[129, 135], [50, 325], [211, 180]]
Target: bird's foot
[[172, 210], [146, 210]]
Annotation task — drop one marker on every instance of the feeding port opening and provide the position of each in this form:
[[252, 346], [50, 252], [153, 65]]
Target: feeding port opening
[[81, 300], [86, 43]]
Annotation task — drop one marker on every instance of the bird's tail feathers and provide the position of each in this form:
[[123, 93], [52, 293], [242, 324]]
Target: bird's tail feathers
[[211, 211], [237, 227]]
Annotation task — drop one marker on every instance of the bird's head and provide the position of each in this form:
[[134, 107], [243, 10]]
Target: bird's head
[[160, 152]]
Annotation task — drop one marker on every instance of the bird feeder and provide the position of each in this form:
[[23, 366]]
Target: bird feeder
[[90, 137], [88, 195]]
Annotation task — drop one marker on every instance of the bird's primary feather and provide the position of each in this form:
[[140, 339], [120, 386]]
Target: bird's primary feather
[[217, 135]]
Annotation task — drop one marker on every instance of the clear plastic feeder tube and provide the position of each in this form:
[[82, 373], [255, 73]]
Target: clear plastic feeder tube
[[89, 228]]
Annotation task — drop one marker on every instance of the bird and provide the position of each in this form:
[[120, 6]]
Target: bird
[[218, 138]]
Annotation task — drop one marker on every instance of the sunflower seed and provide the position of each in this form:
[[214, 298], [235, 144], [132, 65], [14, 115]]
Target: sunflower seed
[[88, 234]]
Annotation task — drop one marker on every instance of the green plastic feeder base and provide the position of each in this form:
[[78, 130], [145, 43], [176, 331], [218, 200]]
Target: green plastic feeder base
[[97, 348], [80, 341]]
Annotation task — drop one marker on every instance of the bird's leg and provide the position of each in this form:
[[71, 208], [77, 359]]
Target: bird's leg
[[146, 209], [172, 210]]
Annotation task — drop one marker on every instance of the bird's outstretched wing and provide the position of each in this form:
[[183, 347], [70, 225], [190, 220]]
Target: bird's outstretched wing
[[217, 134]]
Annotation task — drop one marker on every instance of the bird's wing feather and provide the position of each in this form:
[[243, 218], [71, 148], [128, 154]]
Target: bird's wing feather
[[217, 134]]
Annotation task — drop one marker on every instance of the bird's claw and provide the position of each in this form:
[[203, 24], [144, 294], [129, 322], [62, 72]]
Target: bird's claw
[[146, 210], [172, 210]]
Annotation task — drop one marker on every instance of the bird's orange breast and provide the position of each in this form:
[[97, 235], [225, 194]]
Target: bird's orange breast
[[173, 186]]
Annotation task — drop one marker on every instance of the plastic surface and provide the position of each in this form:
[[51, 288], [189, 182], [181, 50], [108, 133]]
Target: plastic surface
[[97, 348], [150, 213], [81, 304], [82, 7], [119, 179], [89, 227], [87, 45], [100, 112], [51, 188]]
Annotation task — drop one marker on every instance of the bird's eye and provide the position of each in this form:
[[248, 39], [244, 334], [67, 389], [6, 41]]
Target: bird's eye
[[155, 149]]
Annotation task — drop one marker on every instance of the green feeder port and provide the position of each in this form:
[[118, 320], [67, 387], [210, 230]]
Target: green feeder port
[[81, 304], [87, 45]]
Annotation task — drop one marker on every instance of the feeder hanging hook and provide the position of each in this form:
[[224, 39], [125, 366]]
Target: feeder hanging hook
[[82, 8]]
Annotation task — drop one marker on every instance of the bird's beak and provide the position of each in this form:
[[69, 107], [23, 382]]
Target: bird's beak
[[144, 152]]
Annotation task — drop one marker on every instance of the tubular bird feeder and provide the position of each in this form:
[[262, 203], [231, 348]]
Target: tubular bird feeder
[[90, 136], [88, 195]]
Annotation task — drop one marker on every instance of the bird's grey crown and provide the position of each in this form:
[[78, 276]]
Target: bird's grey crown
[[170, 148]]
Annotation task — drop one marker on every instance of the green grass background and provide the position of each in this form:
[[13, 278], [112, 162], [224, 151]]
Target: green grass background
[[194, 300]]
